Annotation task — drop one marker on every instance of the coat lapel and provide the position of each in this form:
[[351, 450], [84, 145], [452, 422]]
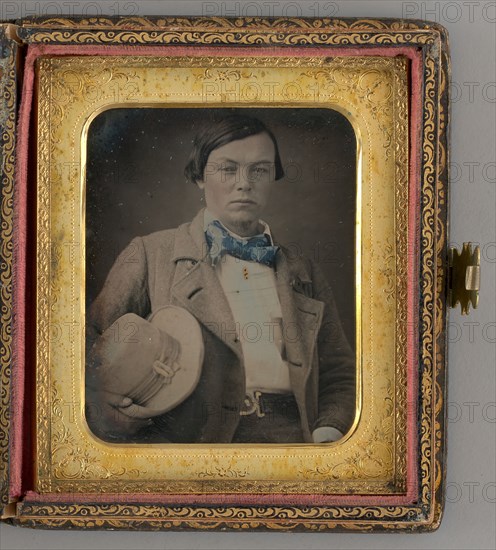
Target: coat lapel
[[197, 288], [196, 285], [302, 318]]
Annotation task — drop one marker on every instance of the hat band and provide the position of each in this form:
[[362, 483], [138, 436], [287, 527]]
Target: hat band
[[153, 382]]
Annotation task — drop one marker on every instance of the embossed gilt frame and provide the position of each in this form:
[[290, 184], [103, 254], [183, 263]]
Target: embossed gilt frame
[[390, 78]]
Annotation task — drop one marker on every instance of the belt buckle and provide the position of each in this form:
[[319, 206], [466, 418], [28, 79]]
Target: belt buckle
[[252, 404]]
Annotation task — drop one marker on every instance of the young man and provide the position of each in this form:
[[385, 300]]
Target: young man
[[277, 367]]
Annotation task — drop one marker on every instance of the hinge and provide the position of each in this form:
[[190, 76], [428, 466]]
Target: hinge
[[11, 32], [9, 511]]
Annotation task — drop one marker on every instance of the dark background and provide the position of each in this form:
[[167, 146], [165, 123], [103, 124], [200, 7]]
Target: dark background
[[135, 185]]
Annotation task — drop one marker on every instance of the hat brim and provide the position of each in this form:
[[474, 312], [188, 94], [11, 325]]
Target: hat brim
[[181, 325], [122, 360]]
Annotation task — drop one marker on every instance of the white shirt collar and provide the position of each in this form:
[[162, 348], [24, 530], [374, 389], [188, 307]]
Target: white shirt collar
[[209, 217]]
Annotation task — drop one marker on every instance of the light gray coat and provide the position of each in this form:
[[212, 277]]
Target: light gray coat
[[173, 267]]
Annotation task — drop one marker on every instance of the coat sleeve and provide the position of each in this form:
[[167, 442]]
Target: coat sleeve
[[125, 291], [337, 369]]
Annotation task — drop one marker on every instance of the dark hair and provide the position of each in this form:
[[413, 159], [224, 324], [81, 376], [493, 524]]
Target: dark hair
[[222, 129]]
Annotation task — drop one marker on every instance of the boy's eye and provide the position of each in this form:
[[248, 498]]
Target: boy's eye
[[228, 168], [259, 171]]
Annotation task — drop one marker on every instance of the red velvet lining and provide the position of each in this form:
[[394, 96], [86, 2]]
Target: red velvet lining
[[22, 406]]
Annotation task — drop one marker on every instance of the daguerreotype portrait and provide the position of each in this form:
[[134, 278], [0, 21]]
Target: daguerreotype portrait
[[235, 254], [230, 263], [240, 270]]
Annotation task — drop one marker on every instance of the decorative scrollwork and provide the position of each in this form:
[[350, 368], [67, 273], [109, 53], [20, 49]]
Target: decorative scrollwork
[[67, 85], [7, 159]]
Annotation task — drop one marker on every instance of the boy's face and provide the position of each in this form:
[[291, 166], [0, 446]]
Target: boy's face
[[237, 181]]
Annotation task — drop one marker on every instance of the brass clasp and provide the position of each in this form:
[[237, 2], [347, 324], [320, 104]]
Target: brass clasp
[[464, 277]]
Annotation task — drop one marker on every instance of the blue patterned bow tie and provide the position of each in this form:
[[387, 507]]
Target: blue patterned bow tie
[[255, 249]]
